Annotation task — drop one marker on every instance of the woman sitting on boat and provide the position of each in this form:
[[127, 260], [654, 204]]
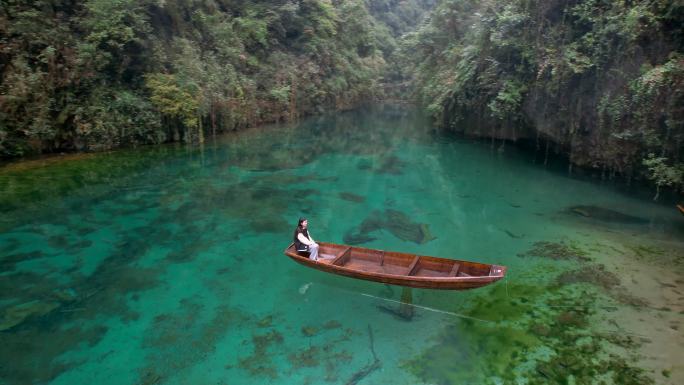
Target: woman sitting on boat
[[303, 241]]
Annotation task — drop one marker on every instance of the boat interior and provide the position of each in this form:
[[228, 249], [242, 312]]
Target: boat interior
[[385, 262]]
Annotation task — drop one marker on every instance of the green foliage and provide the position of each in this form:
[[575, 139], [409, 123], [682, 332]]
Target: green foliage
[[106, 73], [508, 100], [114, 23], [251, 29], [281, 94], [111, 118], [603, 80], [173, 100], [663, 174]]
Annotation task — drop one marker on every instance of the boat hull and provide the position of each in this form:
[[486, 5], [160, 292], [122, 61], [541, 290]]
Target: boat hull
[[400, 268]]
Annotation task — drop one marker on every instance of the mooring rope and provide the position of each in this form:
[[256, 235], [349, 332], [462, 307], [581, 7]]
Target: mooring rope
[[428, 308]]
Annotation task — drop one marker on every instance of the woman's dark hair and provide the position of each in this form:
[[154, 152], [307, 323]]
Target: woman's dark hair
[[298, 229]]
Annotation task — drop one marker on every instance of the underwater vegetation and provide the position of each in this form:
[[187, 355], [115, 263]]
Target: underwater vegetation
[[9, 261], [394, 221], [537, 335], [260, 362], [556, 251], [323, 352], [596, 275], [605, 215], [61, 304], [389, 164], [351, 197]]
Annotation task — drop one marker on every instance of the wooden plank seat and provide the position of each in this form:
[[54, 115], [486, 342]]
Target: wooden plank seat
[[412, 267], [339, 259], [454, 270]]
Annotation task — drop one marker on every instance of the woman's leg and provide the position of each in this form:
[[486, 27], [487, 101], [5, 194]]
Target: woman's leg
[[313, 249]]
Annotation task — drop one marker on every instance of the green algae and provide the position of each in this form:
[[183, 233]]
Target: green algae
[[182, 339], [306, 358], [17, 314], [492, 328], [556, 251], [265, 322], [646, 252], [84, 298], [542, 335], [260, 363], [327, 354], [9, 261], [309, 331], [351, 197], [391, 164], [332, 324], [596, 275], [32, 351]]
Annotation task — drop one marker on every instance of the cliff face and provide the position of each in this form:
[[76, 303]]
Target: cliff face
[[602, 81]]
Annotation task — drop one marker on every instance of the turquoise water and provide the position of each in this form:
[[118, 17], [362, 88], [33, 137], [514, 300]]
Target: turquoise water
[[165, 265]]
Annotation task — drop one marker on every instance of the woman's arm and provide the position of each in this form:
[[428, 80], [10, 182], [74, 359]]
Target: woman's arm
[[304, 239]]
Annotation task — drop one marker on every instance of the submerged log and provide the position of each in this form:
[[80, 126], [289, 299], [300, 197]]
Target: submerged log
[[605, 215], [368, 369]]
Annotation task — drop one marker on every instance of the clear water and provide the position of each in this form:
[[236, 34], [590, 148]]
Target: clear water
[[165, 265]]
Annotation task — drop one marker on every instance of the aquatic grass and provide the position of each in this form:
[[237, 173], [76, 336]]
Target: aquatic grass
[[556, 251], [547, 319], [183, 338], [260, 363], [35, 361]]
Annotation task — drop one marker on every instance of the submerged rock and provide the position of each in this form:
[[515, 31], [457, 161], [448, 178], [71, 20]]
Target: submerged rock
[[351, 197], [396, 222], [391, 165], [605, 215], [401, 226], [356, 238]]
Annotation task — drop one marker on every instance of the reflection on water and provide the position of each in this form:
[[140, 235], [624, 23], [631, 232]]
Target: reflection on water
[[164, 265]]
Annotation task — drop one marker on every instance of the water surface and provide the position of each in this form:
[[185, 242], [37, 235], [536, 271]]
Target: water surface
[[164, 265]]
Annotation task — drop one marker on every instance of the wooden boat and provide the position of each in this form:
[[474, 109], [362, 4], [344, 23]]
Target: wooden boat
[[681, 209], [399, 268]]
